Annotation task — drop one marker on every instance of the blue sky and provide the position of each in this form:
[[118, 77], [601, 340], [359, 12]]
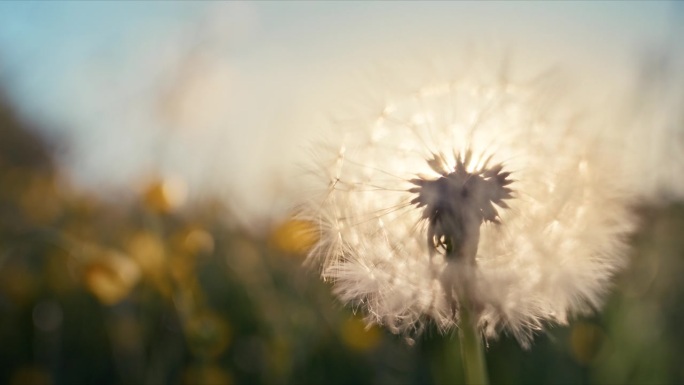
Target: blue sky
[[110, 80]]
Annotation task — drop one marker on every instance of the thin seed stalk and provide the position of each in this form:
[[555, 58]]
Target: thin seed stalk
[[472, 353]]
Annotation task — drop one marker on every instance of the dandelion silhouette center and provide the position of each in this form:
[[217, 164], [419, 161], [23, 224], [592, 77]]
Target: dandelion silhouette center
[[458, 202]]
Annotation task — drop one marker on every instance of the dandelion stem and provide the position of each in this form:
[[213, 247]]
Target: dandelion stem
[[472, 353]]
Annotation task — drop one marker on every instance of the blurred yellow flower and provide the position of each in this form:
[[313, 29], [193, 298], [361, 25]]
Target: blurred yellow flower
[[165, 195], [147, 249], [197, 240], [110, 275], [295, 236]]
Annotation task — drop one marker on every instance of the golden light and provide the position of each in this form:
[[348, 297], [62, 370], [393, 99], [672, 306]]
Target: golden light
[[198, 240], [294, 236], [148, 251], [111, 276], [166, 195]]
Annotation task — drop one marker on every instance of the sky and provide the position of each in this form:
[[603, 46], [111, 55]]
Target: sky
[[228, 95]]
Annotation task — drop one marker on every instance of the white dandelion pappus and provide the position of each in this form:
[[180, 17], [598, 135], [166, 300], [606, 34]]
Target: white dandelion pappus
[[509, 168]]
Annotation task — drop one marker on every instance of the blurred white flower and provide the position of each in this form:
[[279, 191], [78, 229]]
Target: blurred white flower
[[506, 175]]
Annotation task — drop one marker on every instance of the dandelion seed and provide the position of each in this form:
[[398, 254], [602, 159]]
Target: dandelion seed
[[480, 191]]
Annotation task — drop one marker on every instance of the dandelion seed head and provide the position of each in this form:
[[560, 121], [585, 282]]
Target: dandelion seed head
[[505, 171], [459, 201]]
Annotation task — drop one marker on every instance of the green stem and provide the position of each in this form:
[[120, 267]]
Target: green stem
[[472, 353]]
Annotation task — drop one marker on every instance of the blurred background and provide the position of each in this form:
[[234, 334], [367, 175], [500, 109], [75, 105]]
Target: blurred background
[[149, 156]]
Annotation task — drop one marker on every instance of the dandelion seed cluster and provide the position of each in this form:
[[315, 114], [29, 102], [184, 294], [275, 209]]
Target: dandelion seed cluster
[[510, 167]]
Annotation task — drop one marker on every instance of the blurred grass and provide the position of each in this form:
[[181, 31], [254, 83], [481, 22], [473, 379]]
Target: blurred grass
[[146, 292]]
